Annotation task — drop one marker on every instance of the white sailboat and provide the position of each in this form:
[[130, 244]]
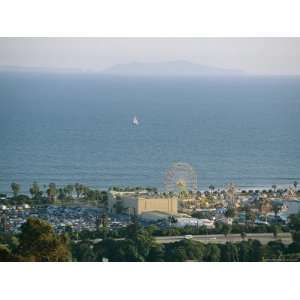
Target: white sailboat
[[135, 121]]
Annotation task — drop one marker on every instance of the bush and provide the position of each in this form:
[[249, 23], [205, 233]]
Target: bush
[[5, 254]]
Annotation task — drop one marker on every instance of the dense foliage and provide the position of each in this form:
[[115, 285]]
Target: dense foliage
[[52, 194], [38, 242]]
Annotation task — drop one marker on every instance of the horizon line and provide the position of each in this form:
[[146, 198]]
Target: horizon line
[[106, 71]]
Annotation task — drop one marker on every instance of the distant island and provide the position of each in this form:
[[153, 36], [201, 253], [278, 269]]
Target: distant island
[[170, 68], [178, 68]]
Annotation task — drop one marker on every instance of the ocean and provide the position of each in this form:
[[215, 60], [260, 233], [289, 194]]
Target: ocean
[[67, 128]]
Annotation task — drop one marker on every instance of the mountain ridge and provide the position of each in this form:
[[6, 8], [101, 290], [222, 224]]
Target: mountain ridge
[[169, 68]]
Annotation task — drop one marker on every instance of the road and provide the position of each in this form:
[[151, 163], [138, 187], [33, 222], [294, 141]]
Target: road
[[264, 238]]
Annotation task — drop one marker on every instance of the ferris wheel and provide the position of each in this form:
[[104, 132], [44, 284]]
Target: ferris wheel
[[180, 177]]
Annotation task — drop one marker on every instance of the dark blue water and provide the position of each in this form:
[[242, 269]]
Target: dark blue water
[[78, 128]]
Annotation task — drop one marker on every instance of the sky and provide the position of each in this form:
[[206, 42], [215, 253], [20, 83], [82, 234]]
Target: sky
[[263, 56]]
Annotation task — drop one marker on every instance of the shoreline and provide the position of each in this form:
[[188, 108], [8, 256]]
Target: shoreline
[[247, 189]]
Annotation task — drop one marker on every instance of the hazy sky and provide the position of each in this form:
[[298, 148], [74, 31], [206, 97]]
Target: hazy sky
[[255, 55]]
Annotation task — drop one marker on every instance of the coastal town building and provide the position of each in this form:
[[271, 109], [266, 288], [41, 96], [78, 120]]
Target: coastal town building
[[138, 203], [182, 222]]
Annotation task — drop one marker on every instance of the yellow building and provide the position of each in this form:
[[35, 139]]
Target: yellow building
[[138, 203]]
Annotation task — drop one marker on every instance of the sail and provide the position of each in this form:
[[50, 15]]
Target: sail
[[135, 121]]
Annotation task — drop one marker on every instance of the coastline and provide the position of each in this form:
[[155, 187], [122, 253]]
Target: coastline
[[247, 189]]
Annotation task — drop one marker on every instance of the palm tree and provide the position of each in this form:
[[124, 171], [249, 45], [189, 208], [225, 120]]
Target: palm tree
[[274, 187], [104, 199], [61, 194], [85, 191], [276, 207], [119, 206], [34, 190], [250, 216], [230, 212], [52, 192], [211, 188], [172, 220], [275, 230], [226, 230], [68, 190], [15, 187], [80, 188], [295, 184], [262, 204], [182, 194], [243, 235], [171, 194]]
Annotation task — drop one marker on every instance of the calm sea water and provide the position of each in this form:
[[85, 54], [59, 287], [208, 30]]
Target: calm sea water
[[78, 128]]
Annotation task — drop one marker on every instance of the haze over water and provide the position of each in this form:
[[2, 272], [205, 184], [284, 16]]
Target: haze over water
[[68, 128]]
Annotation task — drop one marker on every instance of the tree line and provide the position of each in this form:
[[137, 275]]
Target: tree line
[[52, 194], [37, 241]]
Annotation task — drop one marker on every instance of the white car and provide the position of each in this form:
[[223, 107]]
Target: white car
[[188, 236], [261, 222]]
